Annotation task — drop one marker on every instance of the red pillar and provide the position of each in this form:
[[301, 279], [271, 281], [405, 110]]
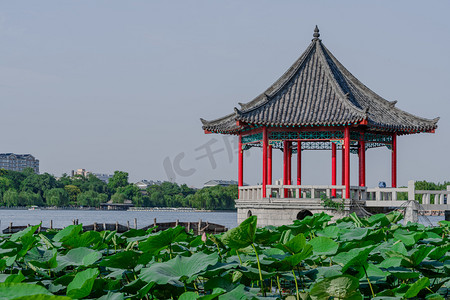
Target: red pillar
[[269, 165], [394, 160], [265, 144], [347, 161], [240, 163], [289, 166], [359, 163], [362, 162], [333, 168], [299, 162], [299, 166], [284, 162], [343, 165]]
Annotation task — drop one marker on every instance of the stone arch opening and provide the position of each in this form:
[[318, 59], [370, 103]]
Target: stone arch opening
[[249, 214], [303, 214]]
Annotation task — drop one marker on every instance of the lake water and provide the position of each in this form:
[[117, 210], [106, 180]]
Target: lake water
[[62, 218]]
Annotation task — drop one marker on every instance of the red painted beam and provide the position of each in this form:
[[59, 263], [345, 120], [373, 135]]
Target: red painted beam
[[240, 123]]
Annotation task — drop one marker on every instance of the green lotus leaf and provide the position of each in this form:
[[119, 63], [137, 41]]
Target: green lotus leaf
[[82, 283], [122, 260], [354, 257], [354, 235], [266, 237], [390, 262], [112, 296], [418, 255], [444, 223], [375, 273], [27, 232], [12, 278], [403, 273], [179, 269], [439, 252], [296, 244], [357, 220], [273, 252], [324, 246], [241, 236], [417, 286], [67, 232], [189, 296], [394, 217], [130, 233], [86, 239], [220, 268], [380, 219], [43, 297], [434, 297], [16, 290], [295, 259], [237, 294], [399, 247], [220, 282], [81, 256], [408, 238], [339, 287], [286, 236], [162, 240], [329, 231], [253, 273], [45, 259], [215, 293], [324, 272]]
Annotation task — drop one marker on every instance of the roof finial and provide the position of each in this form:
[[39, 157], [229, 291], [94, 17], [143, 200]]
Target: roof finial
[[316, 33]]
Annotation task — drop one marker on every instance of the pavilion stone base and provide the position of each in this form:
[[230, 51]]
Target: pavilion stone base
[[447, 215], [279, 212]]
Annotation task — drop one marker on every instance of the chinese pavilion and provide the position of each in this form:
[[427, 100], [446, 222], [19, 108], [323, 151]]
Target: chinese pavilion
[[317, 104]]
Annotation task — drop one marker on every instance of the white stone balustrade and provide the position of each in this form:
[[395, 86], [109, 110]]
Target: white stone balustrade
[[372, 197]]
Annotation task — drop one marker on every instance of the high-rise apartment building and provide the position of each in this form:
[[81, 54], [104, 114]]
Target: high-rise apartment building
[[18, 162]]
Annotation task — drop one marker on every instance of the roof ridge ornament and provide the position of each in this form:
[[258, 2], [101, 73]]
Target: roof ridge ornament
[[316, 34]]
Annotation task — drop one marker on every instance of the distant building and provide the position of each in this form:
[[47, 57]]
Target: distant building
[[81, 172], [84, 173], [144, 184], [18, 162], [103, 177], [110, 205], [220, 182]]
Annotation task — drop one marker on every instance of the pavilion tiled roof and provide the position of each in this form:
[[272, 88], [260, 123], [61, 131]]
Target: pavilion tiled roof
[[317, 90]]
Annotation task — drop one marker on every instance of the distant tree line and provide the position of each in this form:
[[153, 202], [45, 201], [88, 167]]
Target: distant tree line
[[28, 188]]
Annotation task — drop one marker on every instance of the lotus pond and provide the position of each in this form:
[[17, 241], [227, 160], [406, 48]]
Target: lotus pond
[[354, 258]]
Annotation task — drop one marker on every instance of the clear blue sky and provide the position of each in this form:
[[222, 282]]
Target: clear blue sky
[[121, 85]]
